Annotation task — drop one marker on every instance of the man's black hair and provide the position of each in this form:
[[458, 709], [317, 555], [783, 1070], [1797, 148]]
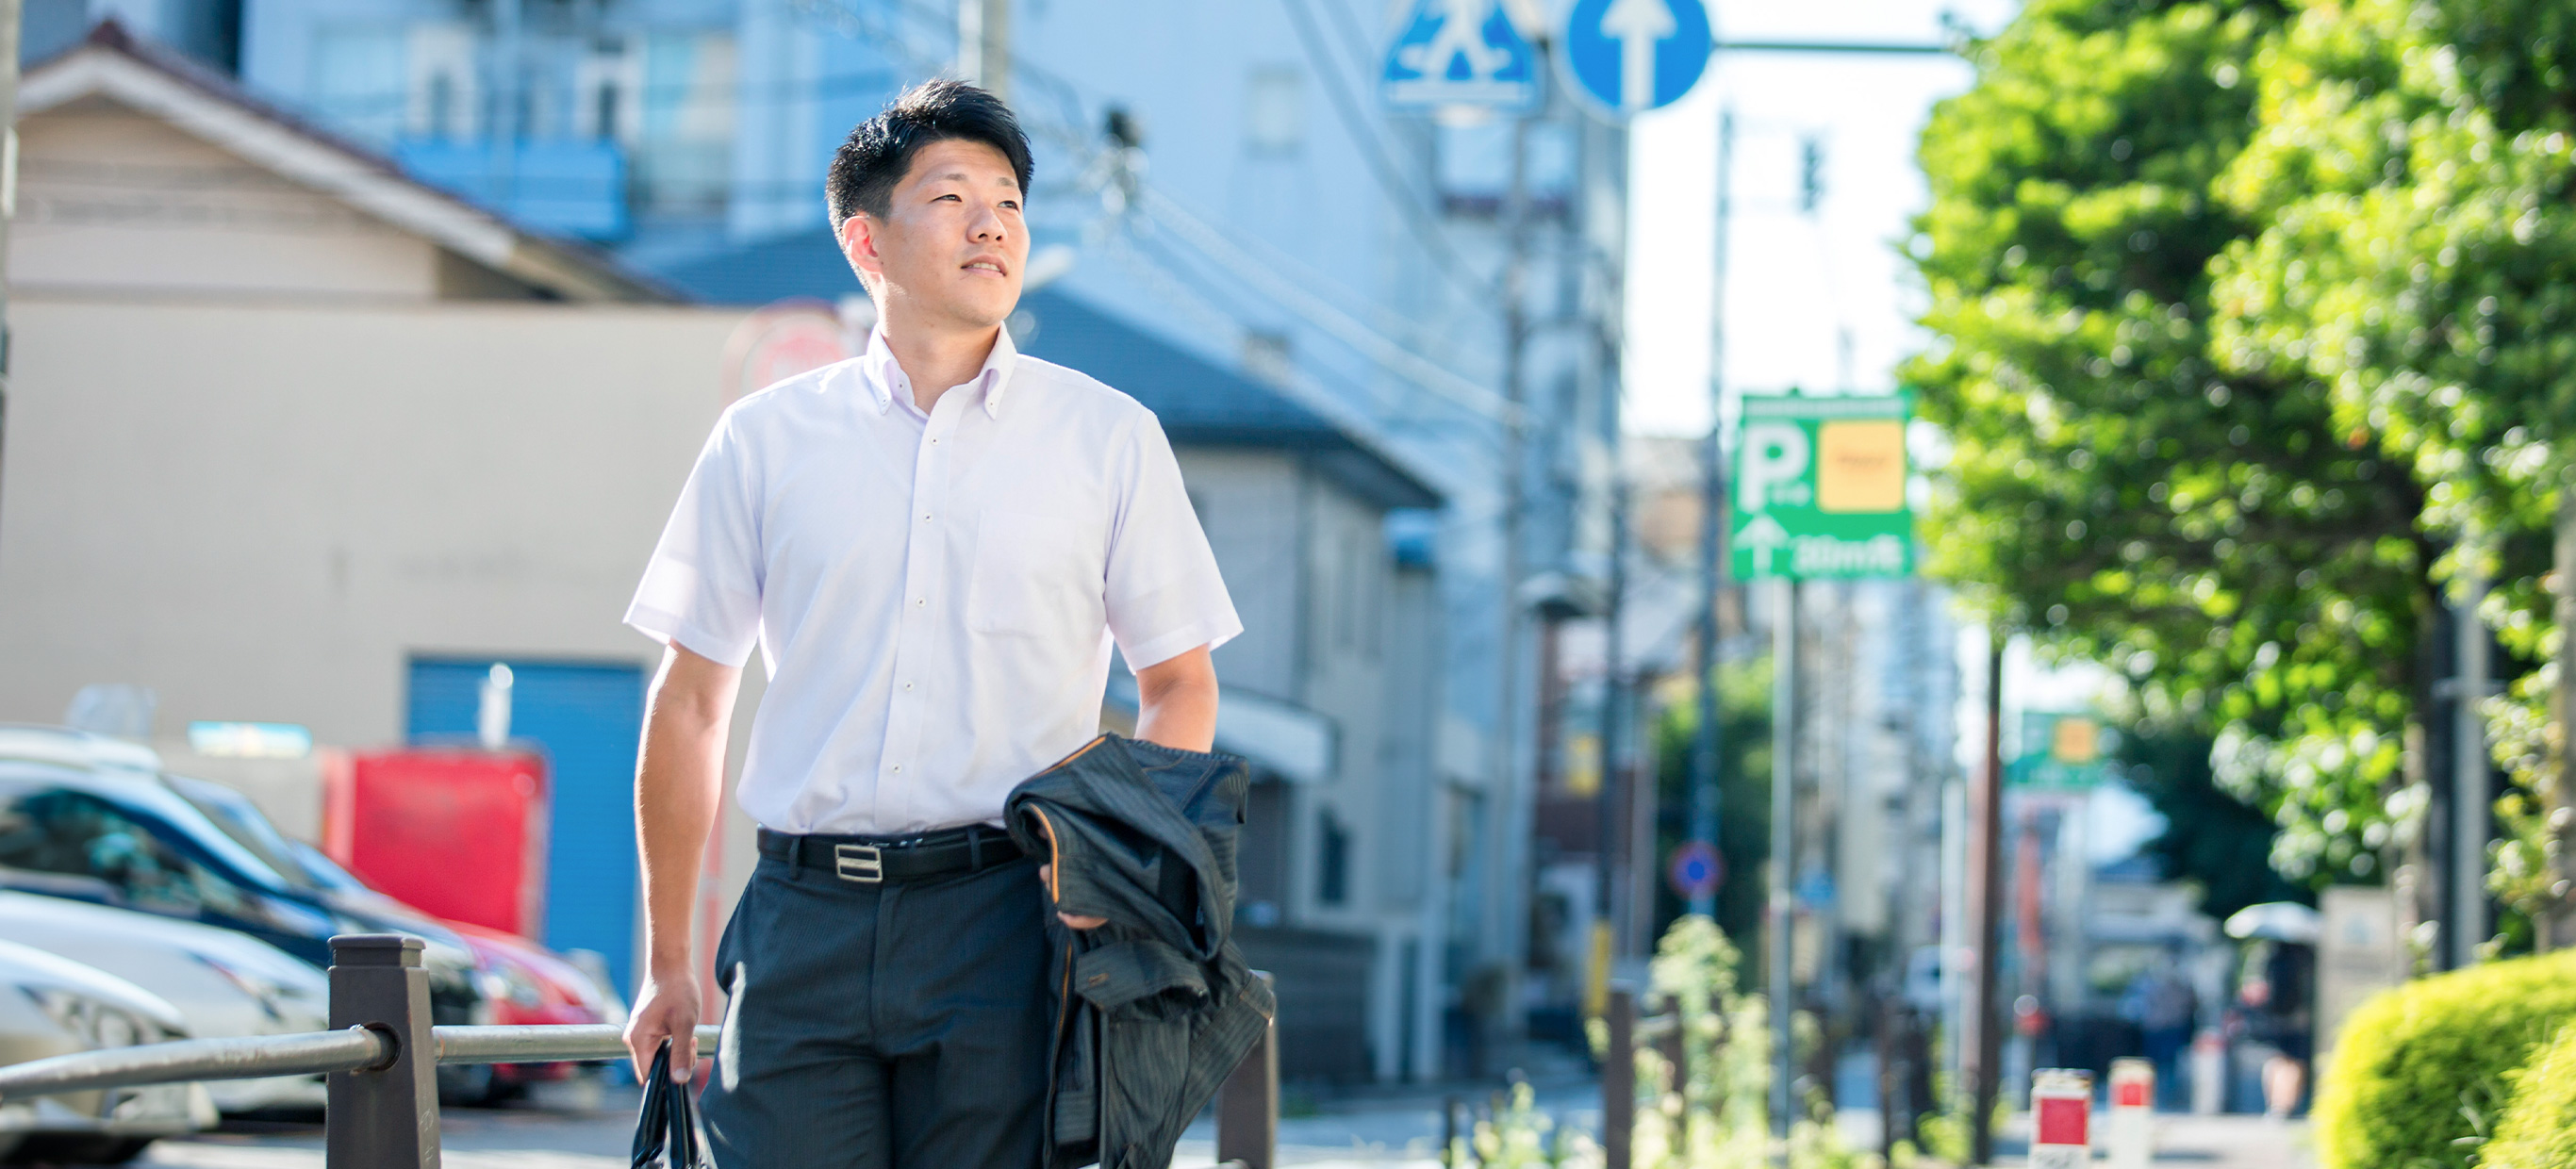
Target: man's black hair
[[879, 151]]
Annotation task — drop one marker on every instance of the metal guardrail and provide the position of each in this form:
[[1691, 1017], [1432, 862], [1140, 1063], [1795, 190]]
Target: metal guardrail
[[382, 1110]]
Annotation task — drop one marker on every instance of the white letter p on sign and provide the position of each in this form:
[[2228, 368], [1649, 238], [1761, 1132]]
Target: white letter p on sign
[[1775, 454]]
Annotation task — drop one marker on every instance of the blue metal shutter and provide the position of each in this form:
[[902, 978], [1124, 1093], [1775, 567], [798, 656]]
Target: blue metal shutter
[[588, 718]]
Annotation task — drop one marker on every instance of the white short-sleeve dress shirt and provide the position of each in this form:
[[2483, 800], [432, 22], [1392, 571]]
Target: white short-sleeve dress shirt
[[934, 595]]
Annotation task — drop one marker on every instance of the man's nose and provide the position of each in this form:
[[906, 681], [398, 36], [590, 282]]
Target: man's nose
[[989, 225]]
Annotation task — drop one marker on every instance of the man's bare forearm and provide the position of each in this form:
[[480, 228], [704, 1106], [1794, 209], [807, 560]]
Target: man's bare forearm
[[677, 788], [1176, 702]]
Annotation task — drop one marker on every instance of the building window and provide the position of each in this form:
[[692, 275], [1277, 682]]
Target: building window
[[684, 135], [1275, 110], [356, 80], [441, 97], [1332, 861]]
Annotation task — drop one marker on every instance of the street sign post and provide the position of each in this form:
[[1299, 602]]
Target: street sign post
[[1459, 53], [1629, 56], [1820, 488]]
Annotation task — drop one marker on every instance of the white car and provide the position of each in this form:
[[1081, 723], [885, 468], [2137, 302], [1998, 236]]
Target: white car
[[61, 1007], [224, 984]]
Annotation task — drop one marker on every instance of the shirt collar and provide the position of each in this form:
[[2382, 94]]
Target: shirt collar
[[885, 378]]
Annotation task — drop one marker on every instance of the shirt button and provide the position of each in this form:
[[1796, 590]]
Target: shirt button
[[920, 601], [898, 769], [925, 517], [907, 685]]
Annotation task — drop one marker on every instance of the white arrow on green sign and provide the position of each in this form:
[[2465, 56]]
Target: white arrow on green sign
[[1820, 488]]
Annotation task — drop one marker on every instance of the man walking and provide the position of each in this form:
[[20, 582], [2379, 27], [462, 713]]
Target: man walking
[[934, 546]]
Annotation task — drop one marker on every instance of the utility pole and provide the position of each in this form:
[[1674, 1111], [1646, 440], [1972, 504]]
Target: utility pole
[[1516, 721], [9, 193], [2555, 924], [2472, 801], [984, 45], [1707, 791], [1981, 1049], [1784, 844]]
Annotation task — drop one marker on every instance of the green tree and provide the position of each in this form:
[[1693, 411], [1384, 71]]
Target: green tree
[[2211, 839], [2413, 171], [2205, 528]]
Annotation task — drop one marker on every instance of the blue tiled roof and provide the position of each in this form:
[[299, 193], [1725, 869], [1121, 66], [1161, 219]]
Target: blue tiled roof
[[1199, 401]]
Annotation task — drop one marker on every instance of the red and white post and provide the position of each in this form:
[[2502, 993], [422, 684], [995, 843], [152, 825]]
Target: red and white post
[[2061, 1119], [2130, 1132]]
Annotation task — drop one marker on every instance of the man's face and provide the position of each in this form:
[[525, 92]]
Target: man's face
[[951, 244]]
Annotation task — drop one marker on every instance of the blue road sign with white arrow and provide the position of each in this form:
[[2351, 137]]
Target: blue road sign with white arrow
[[1459, 52], [1630, 56]]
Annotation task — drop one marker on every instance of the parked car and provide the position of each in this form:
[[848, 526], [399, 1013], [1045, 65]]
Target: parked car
[[223, 984], [524, 983], [63, 1007], [89, 818]]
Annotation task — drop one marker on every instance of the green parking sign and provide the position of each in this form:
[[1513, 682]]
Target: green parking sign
[[1820, 488]]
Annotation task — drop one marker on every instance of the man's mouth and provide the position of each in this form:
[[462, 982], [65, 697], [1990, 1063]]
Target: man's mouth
[[992, 266]]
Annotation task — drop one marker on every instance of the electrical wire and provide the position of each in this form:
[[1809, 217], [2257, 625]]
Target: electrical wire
[[1412, 205]]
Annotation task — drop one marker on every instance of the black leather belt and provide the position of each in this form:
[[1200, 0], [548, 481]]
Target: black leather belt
[[870, 860]]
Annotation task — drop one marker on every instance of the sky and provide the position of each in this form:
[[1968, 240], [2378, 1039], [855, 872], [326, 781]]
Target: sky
[[1820, 302]]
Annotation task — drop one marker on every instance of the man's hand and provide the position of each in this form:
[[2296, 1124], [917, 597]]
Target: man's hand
[[677, 784], [1080, 921], [668, 1009]]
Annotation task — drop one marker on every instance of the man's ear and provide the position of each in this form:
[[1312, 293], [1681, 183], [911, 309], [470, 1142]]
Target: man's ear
[[859, 244]]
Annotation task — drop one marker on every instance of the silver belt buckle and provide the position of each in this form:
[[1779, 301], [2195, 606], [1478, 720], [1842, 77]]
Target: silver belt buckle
[[862, 863]]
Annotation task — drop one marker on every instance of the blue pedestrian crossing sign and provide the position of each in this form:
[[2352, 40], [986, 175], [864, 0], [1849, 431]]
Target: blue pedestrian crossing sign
[[1630, 56], [1459, 52]]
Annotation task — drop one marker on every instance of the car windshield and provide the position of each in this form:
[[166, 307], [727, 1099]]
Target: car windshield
[[242, 820]]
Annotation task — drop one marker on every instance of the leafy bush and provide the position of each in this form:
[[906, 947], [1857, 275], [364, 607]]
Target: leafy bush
[[2538, 1129], [2419, 1072]]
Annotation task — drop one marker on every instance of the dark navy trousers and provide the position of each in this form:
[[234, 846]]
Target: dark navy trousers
[[901, 1025]]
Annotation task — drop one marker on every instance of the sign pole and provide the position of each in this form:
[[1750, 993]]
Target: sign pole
[[1981, 1047], [1707, 793], [1784, 841]]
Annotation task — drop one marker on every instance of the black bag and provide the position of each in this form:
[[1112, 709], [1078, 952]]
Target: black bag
[[669, 1117]]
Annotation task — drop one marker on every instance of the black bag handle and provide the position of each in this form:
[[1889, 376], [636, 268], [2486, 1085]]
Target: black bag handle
[[668, 1118]]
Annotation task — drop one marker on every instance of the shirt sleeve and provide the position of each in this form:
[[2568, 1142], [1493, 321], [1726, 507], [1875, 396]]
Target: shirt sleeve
[[1165, 596], [701, 590]]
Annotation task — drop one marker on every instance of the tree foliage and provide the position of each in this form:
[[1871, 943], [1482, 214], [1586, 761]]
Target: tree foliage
[[2413, 172], [2209, 528]]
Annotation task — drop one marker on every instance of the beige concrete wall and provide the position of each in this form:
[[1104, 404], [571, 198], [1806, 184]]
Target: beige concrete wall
[[260, 512], [111, 199]]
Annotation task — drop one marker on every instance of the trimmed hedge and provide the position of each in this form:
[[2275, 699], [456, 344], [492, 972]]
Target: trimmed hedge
[[2539, 1128], [2413, 1063]]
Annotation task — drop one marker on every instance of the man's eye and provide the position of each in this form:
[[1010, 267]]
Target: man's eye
[[1013, 204]]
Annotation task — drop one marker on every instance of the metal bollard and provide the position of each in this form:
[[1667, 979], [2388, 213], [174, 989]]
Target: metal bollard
[[1619, 1079], [1247, 1106], [383, 1117]]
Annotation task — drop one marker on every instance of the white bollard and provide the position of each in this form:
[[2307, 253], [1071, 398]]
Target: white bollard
[[2061, 1119], [2130, 1130], [2208, 1073]]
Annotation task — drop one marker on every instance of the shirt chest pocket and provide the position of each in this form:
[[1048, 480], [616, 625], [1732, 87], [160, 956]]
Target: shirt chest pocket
[[1036, 575]]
